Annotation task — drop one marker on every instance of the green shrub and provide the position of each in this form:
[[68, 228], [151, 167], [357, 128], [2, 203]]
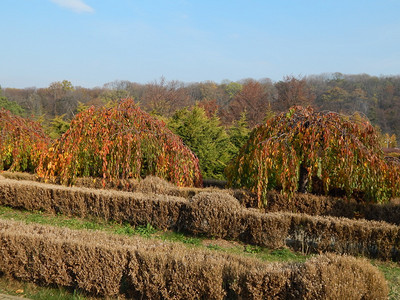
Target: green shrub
[[206, 138], [11, 106]]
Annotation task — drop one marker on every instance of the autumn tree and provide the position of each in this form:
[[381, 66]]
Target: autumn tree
[[58, 94], [293, 91], [116, 90], [232, 88], [333, 99], [119, 142], [250, 99], [22, 142], [389, 141], [163, 98], [85, 96], [318, 152], [210, 107]]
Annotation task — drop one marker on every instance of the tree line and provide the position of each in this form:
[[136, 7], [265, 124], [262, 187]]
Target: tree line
[[376, 97], [214, 119]]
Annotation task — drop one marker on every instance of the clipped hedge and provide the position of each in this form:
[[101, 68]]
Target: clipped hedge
[[109, 265], [211, 214], [323, 206], [300, 203], [301, 232], [136, 208]]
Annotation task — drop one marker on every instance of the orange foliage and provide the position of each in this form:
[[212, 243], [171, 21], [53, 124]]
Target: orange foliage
[[305, 149], [120, 142], [22, 142]]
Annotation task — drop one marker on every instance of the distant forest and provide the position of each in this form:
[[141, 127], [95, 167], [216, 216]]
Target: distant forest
[[378, 98]]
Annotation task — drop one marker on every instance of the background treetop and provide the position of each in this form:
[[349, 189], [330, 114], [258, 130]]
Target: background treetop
[[376, 97]]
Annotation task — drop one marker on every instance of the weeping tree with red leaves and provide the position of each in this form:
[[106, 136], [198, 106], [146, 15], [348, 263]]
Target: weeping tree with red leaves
[[120, 142], [22, 142], [317, 152]]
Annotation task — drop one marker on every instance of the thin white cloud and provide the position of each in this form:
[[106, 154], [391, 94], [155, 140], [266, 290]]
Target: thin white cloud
[[77, 6]]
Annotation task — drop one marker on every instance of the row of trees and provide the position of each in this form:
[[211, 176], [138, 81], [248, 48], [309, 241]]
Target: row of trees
[[297, 150], [214, 119], [376, 97]]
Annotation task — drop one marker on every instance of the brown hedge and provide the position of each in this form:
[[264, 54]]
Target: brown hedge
[[212, 214], [300, 203], [323, 206], [310, 234], [110, 265], [135, 208]]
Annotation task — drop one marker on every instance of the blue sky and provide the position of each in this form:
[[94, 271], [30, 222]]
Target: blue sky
[[92, 42]]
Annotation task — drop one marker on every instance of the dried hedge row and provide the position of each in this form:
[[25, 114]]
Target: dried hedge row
[[310, 234], [211, 214], [300, 203], [110, 265], [323, 206], [136, 208]]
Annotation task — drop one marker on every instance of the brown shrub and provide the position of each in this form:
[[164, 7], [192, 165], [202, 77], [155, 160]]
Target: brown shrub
[[175, 275], [18, 175], [213, 214], [217, 215], [355, 237], [159, 186], [46, 256], [300, 203], [339, 277], [109, 265], [268, 230], [156, 185], [246, 198], [127, 185]]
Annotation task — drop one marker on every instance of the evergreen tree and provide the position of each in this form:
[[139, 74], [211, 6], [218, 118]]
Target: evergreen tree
[[57, 127], [206, 137], [239, 133], [11, 106]]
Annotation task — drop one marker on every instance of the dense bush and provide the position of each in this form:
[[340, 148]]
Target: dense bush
[[11, 106], [207, 138], [320, 152], [22, 142], [120, 142]]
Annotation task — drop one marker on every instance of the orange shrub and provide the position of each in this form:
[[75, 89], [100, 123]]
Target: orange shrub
[[309, 151], [22, 142], [120, 142]]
